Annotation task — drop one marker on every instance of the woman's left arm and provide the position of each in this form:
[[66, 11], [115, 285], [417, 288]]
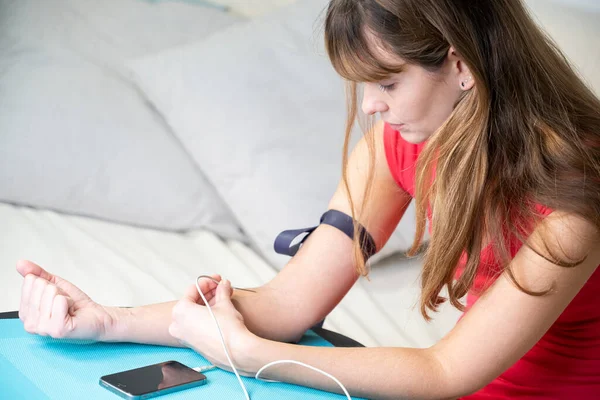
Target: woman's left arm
[[496, 332]]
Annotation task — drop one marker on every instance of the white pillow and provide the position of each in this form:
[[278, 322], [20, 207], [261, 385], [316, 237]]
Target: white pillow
[[77, 136], [252, 8], [262, 112], [590, 5], [576, 30], [111, 31]]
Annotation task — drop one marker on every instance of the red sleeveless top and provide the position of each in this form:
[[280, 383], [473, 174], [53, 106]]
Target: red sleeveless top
[[565, 363]]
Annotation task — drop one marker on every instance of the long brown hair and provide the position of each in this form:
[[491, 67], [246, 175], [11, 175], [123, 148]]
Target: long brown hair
[[528, 133]]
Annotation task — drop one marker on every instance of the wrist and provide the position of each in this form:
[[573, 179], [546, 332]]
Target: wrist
[[112, 329], [251, 351]]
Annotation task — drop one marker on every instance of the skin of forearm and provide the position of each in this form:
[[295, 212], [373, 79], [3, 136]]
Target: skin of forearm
[[374, 373], [149, 324]]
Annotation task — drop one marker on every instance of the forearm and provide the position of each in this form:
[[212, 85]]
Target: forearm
[[149, 324], [374, 373]]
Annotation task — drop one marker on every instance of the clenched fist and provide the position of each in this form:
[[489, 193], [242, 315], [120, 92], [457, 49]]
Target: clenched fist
[[52, 306]]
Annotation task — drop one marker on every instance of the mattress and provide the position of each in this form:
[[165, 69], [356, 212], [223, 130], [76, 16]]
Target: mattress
[[121, 265]]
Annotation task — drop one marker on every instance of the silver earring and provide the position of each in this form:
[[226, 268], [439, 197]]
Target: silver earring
[[464, 83]]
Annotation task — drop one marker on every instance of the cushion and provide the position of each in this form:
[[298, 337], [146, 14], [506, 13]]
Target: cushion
[[252, 8], [77, 136], [590, 5], [267, 127], [573, 25]]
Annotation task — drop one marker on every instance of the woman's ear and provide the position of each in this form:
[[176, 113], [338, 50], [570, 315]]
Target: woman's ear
[[460, 72]]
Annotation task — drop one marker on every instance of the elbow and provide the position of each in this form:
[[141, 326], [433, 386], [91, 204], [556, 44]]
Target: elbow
[[277, 329], [293, 331], [458, 385], [455, 393], [455, 380], [465, 388], [285, 335], [272, 314]]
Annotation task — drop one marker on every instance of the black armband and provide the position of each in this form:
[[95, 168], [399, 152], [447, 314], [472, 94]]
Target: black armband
[[338, 219]]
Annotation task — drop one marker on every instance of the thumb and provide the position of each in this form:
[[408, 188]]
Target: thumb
[[191, 294], [224, 292], [25, 267]]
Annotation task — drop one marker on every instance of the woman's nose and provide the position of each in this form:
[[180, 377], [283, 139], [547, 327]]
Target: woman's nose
[[372, 102]]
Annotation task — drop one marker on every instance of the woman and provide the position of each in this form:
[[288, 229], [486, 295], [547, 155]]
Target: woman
[[487, 126]]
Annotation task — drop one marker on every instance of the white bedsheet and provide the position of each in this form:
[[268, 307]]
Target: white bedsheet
[[120, 265]]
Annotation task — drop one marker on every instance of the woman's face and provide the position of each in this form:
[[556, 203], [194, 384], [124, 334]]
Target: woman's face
[[416, 102]]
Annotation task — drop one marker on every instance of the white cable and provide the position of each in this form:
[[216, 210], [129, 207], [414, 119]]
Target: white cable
[[200, 369], [304, 365], [222, 340], [205, 368]]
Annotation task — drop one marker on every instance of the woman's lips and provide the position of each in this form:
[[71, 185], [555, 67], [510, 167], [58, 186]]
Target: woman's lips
[[396, 127]]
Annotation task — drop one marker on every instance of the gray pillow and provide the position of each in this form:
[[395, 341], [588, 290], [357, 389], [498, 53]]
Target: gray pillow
[[574, 26], [77, 135], [262, 112]]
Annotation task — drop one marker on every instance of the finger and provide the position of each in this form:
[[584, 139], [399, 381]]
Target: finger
[[224, 292], [39, 285], [191, 294], [60, 324], [206, 285], [26, 289], [48, 296], [46, 303], [211, 297], [25, 267]]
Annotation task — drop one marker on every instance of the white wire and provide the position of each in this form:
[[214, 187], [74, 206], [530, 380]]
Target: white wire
[[304, 365], [222, 340], [205, 368], [265, 366]]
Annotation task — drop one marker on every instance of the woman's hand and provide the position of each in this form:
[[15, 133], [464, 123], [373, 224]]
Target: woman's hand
[[194, 327], [52, 306], [209, 289]]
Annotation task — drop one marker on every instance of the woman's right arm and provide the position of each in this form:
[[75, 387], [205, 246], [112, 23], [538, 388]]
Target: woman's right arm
[[315, 279]]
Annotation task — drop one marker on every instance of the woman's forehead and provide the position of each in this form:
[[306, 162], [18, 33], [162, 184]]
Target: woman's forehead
[[380, 50], [359, 55]]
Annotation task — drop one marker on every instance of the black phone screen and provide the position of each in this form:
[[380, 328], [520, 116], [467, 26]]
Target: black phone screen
[[153, 378]]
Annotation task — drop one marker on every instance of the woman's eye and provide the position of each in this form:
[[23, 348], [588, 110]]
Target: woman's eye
[[386, 88]]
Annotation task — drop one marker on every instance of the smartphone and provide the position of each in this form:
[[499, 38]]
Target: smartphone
[[152, 380]]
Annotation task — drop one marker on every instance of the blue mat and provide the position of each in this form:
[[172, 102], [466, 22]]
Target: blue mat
[[35, 367]]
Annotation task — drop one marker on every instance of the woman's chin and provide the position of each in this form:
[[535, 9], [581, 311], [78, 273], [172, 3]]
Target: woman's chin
[[413, 137]]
